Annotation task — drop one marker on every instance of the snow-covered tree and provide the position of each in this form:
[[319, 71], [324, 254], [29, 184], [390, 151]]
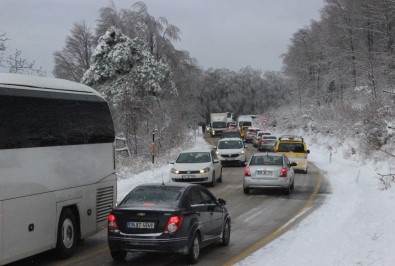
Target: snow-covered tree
[[133, 81], [123, 68]]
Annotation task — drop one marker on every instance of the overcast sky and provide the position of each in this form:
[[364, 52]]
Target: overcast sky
[[219, 33]]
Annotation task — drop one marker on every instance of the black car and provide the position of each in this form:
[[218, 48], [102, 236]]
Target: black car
[[170, 217]]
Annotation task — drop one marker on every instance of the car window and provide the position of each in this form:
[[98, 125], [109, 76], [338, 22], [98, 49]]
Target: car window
[[207, 198], [194, 197], [154, 196], [194, 157], [266, 160], [230, 144], [291, 147], [268, 137]]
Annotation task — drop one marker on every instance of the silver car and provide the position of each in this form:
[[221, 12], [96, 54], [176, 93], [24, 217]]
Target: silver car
[[197, 166], [269, 170]]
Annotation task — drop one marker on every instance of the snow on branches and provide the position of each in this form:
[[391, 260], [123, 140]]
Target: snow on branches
[[124, 67]]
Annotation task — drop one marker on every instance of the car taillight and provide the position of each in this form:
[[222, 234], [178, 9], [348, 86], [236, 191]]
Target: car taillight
[[112, 223], [247, 171], [173, 224], [283, 172], [263, 142]]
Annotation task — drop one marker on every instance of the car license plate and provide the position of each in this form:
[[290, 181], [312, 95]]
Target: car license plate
[[264, 172], [140, 225], [188, 176]]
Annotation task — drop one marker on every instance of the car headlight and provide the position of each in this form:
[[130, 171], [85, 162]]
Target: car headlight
[[242, 152], [174, 171], [205, 170], [217, 152]]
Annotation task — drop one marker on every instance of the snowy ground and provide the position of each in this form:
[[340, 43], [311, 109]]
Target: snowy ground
[[353, 227]]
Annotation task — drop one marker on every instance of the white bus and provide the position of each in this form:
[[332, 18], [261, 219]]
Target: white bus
[[57, 165]]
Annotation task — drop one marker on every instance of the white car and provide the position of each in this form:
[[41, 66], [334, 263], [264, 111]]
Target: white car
[[197, 166], [231, 151]]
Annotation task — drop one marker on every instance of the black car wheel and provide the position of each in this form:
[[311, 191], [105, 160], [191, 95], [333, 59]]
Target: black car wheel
[[119, 255], [194, 250], [67, 234], [226, 234], [246, 191]]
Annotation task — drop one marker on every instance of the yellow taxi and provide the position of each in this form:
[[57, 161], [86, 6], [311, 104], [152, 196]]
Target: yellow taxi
[[295, 148]]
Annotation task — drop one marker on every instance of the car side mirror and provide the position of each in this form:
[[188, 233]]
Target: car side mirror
[[221, 202], [308, 151]]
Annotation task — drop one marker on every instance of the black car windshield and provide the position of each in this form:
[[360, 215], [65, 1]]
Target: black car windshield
[[194, 157], [154, 196], [266, 160], [230, 144]]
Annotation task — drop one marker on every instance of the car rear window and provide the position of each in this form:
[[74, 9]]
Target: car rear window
[[268, 137], [291, 147], [154, 196], [266, 160]]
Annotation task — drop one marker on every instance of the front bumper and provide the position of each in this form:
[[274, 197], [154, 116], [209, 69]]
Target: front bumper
[[192, 178], [232, 158]]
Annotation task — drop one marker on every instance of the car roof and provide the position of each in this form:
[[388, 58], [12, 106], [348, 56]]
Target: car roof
[[227, 139], [290, 138], [273, 154], [166, 184], [197, 150]]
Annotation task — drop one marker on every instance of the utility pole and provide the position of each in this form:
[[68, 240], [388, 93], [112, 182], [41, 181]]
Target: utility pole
[[153, 148]]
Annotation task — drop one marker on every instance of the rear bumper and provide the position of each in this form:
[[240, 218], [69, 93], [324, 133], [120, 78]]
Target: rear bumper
[[152, 244], [282, 183]]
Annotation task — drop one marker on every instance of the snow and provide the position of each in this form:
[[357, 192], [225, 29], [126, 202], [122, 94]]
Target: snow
[[353, 226]]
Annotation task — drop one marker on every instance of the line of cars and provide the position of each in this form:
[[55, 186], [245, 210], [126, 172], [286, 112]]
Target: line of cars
[[183, 217]]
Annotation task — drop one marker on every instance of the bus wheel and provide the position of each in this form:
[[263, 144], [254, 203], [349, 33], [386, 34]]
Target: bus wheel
[[67, 235]]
